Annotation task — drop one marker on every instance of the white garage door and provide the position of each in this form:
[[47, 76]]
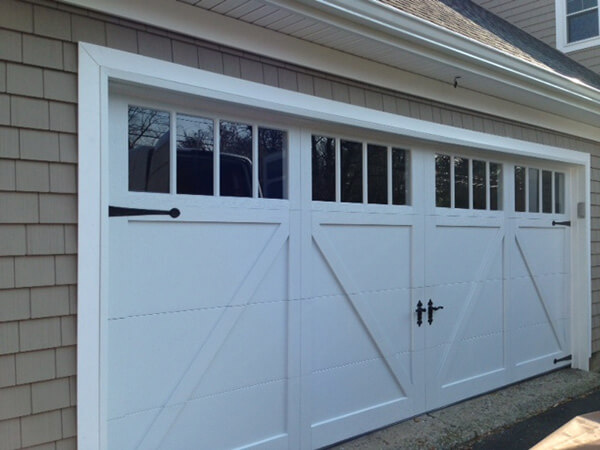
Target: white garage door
[[273, 287]]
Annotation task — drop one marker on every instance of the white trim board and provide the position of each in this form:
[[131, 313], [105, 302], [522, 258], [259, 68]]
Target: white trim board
[[213, 27], [98, 65]]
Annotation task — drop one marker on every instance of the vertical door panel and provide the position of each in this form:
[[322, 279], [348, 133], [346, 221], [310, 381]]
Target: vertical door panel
[[365, 372], [464, 344]]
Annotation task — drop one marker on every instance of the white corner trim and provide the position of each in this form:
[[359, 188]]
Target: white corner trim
[[98, 65], [561, 32], [89, 222]]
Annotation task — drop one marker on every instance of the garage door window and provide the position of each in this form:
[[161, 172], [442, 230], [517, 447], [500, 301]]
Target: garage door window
[[538, 190], [353, 171], [467, 184], [149, 152], [250, 160]]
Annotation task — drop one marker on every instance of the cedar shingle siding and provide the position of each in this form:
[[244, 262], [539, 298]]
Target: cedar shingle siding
[[38, 199]]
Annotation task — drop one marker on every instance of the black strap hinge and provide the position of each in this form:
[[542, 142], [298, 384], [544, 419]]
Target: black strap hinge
[[119, 211], [564, 358]]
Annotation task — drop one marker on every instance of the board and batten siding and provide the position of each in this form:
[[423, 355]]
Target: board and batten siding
[[38, 182], [538, 18]]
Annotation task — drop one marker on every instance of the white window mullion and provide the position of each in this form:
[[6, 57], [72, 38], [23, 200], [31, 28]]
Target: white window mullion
[[173, 153], [216, 160], [338, 171], [389, 175], [470, 183], [255, 161], [365, 174], [451, 181]]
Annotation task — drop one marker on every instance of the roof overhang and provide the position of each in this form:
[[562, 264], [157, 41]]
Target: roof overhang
[[370, 42]]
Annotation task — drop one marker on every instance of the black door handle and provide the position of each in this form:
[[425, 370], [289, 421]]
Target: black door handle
[[566, 223], [119, 211], [420, 310], [430, 310]]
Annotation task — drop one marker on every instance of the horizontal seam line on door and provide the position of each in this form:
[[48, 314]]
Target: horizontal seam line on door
[[216, 394]]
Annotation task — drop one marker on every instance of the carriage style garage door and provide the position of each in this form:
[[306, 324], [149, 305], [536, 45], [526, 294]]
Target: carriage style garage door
[[272, 285]]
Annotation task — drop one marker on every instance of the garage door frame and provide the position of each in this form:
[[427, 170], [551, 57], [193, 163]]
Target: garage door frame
[[98, 65]]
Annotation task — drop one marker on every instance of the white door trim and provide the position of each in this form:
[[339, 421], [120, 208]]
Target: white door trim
[[98, 65]]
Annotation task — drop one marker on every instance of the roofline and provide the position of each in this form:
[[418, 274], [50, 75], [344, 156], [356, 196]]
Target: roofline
[[229, 32], [400, 24]]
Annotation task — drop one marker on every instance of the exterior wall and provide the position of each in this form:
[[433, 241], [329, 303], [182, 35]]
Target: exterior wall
[[589, 57], [536, 17], [38, 200]]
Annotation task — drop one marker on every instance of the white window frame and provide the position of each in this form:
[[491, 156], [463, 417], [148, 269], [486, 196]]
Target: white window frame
[[562, 32], [99, 65]]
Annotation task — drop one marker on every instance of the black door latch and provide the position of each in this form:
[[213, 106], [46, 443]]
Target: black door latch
[[430, 310], [119, 211], [420, 310], [566, 223]]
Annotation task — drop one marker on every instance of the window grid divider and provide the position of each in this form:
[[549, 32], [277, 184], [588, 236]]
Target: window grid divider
[[173, 153], [217, 157], [254, 161], [389, 175]]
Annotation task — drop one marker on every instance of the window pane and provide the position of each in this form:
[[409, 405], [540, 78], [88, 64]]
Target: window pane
[[399, 176], [149, 150], [351, 171], [195, 154], [442, 181], [559, 193], [495, 186], [461, 183], [377, 173], [578, 5], [546, 191], [534, 190], [323, 168], [272, 163], [519, 188], [582, 26], [479, 184], [236, 159]]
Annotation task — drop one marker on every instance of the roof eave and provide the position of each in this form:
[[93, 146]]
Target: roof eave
[[399, 25]]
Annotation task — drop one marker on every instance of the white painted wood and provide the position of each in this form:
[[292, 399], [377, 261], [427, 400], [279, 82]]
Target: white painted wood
[[309, 277], [89, 280]]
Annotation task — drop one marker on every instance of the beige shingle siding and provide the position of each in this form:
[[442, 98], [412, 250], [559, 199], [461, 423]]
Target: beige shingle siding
[[589, 57], [38, 201]]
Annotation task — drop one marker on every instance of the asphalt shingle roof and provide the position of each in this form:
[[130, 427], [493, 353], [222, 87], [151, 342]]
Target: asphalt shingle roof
[[473, 21]]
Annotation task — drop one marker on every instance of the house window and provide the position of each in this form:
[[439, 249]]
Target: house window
[[582, 19]]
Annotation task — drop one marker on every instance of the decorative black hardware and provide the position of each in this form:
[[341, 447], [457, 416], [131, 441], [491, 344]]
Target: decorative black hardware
[[566, 223], [564, 358], [119, 211], [420, 310], [430, 310]]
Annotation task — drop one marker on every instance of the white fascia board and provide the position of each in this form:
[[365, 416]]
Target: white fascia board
[[456, 48], [202, 24]]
